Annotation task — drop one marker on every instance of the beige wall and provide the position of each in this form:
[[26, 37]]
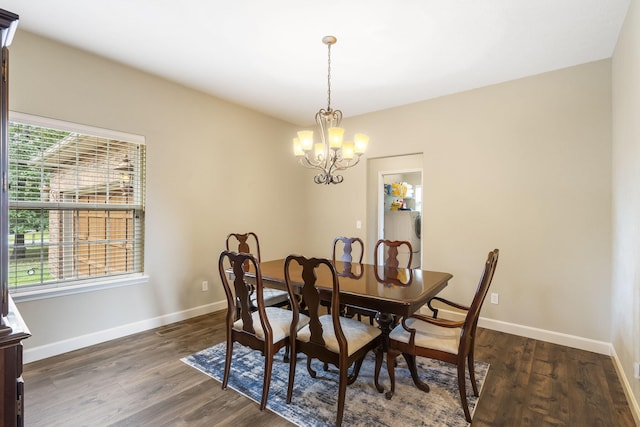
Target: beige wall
[[212, 168], [523, 166], [625, 306]]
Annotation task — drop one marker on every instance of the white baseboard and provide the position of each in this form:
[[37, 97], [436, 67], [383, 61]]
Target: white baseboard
[[573, 341], [75, 343], [626, 386]]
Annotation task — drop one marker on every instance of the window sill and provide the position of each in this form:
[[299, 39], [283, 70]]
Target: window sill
[[79, 288]]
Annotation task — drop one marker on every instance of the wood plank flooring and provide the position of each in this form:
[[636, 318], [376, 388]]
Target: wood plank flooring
[[139, 381]]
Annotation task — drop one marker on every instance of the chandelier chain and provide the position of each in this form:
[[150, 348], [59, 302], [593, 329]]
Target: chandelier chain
[[329, 78]]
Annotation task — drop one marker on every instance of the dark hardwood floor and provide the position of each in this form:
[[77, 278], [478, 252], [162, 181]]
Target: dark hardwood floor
[[140, 381]]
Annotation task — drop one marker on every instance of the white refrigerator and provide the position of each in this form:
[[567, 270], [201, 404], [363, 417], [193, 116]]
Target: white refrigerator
[[404, 225]]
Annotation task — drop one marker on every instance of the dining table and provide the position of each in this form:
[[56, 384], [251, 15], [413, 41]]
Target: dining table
[[391, 292]]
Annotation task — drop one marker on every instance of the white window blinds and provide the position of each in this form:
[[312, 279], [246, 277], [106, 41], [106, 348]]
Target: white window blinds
[[76, 203]]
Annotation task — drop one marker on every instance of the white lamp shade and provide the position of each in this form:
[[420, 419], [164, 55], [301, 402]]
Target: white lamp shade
[[335, 137], [360, 143], [319, 153], [347, 150], [297, 148], [306, 139]]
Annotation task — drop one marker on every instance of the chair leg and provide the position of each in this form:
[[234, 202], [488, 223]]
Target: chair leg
[[356, 370], [310, 369], [285, 358], [292, 371], [472, 372], [391, 368], [266, 382], [227, 364], [463, 389], [342, 392]]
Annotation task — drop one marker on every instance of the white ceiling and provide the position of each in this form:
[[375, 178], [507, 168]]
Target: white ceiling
[[269, 56]]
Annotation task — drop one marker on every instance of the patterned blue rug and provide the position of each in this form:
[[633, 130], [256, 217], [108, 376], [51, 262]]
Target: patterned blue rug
[[314, 400]]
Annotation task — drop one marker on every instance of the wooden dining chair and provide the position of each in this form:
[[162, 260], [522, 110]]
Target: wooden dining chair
[[393, 274], [265, 328], [388, 251], [330, 338], [242, 240], [446, 340], [272, 297], [348, 245]]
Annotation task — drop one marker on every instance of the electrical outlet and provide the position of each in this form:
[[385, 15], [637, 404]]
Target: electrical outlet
[[205, 286], [636, 370], [358, 224], [494, 298]]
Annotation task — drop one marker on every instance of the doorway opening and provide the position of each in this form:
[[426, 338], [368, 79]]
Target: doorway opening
[[401, 217], [395, 202]]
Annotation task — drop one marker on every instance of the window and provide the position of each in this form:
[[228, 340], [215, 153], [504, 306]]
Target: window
[[76, 204]]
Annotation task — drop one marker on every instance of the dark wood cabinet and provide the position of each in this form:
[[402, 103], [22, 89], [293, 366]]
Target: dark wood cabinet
[[11, 385]]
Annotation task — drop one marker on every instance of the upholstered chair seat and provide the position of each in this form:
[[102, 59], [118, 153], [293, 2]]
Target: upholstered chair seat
[[272, 297], [279, 319], [358, 334], [429, 335]]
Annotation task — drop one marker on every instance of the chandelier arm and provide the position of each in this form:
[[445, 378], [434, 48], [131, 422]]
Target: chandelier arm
[[304, 161], [341, 164], [327, 119], [337, 117], [322, 119], [323, 178], [337, 165]]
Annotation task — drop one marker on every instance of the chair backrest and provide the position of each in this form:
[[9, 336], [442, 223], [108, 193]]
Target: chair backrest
[[390, 252], [311, 270], [473, 314], [239, 305], [350, 268], [242, 239], [348, 244]]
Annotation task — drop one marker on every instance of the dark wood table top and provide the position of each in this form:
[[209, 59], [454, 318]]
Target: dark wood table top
[[398, 291]]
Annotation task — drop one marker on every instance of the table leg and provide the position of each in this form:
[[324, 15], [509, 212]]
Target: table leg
[[411, 363], [386, 323]]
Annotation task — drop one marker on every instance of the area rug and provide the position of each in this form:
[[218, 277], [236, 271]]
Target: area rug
[[314, 400]]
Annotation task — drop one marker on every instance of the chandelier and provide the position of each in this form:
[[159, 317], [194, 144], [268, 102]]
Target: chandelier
[[331, 154]]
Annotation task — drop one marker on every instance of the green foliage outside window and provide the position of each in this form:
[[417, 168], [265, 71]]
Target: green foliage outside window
[[27, 143]]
